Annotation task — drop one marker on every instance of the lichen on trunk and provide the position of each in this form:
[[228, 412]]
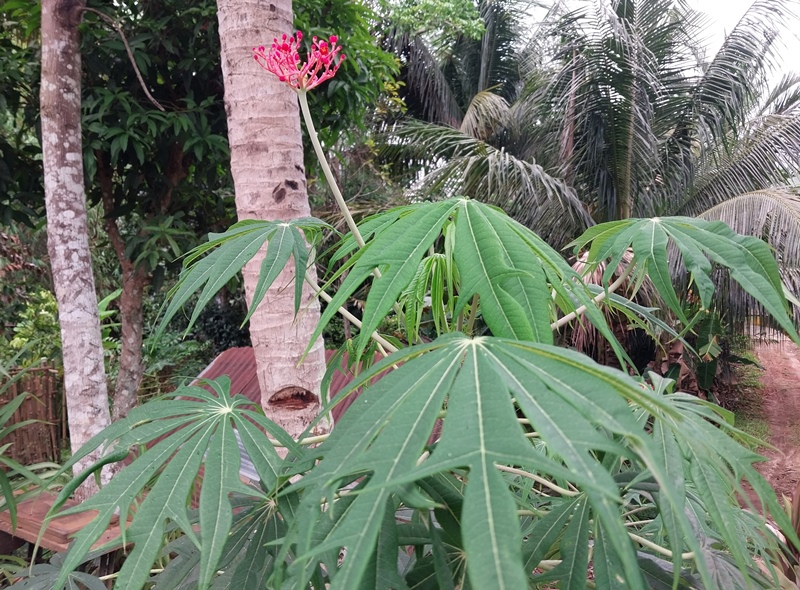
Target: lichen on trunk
[[67, 237]]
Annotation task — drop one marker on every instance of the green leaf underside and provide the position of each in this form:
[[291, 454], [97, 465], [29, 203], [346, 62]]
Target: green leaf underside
[[495, 263], [748, 259], [211, 265], [397, 250]]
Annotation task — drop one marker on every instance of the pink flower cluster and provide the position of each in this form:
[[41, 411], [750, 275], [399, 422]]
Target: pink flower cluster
[[283, 60]]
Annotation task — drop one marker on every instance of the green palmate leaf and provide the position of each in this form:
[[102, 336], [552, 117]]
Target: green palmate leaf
[[221, 478], [749, 260], [574, 550], [215, 271], [381, 572], [167, 499], [211, 265], [300, 254], [281, 244], [253, 571], [589, 421], [371, 226], [485, 253], [608, 571], [359, 530], [650, 245], [670, 456], [489, 509], [189, 434], [8, 498], [480, 379], [397, 251], [546, 531], [117, 496], [494, 262]]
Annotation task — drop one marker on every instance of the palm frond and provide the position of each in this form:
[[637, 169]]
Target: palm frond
[[622, 67], [774, 216], [456, 164], [426, 84], [487, 113], [738, 73], [498, 60], [783, 97], [767, 154]]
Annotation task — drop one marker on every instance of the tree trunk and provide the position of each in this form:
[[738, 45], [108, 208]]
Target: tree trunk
[[269, 180], [67, 237], [134, 281], [131, 366]]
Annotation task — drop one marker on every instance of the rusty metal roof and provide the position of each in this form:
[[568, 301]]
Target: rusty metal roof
[[240, 365]]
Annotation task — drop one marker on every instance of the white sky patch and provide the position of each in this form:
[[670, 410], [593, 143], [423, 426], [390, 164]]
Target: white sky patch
[[723, 16]]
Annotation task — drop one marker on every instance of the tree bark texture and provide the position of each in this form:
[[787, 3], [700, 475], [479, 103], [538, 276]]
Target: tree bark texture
[[269, 180], [131, 365], [67, 237], [135, 279]]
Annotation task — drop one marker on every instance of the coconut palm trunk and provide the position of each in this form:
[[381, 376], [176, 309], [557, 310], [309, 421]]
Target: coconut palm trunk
[[269, 180], [67, 237]]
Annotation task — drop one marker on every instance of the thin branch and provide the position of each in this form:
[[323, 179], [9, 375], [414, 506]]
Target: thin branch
[[388, 346], [600, 296], [118, 28]]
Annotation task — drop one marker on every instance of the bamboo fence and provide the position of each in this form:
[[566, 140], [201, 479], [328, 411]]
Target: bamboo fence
[[40, 441]]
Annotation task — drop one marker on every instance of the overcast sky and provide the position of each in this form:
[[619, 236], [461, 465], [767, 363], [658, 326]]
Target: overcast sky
[[724, 14]]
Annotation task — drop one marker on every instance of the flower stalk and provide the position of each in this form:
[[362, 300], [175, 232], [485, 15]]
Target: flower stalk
[[326, 169]]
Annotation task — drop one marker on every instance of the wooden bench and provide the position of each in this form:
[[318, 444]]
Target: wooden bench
[[60, 530]]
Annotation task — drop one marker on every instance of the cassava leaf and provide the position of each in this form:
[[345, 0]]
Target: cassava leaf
[[514, 304], [210, 266], [748, 259], [279, 250], [397, 251]]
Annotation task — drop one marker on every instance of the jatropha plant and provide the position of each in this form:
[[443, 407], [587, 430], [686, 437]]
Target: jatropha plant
[[546, 468]]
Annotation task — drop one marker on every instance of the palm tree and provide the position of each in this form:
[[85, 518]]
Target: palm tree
[[619, 114], [269, 179], [467, 134]]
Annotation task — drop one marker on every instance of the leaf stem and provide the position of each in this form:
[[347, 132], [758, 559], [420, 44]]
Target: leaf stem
[[473, 312], [309, 440], [540, 480], [658, 548], [388, 346], [597, 299], [116, 574]]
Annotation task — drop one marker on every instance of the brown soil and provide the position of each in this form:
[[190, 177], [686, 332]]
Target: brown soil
[[781, 397]]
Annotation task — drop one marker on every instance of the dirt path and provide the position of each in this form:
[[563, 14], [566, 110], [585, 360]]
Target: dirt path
[[781, 395]]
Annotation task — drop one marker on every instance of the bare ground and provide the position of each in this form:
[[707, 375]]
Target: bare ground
[[781, 398]]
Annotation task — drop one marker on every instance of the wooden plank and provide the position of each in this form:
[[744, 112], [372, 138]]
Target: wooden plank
[[60, 530]]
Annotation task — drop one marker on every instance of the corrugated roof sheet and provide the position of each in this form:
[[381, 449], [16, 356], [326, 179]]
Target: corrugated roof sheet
[[240, 365]]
